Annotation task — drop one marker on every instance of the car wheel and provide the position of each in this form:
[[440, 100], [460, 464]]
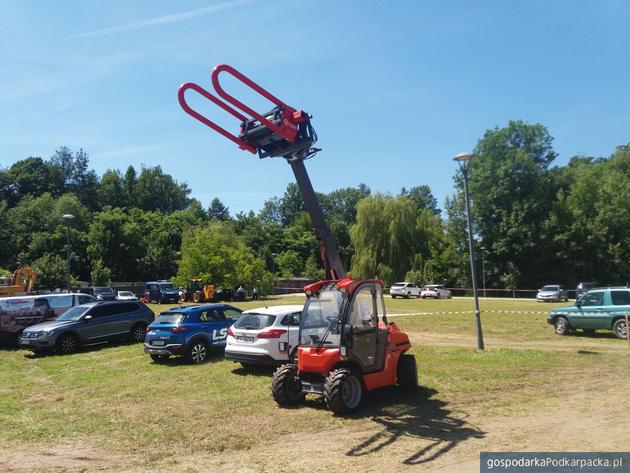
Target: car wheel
[[437, 296], [393, 297], [286, 386], [621, 329], [407, 373], [343, 391], [67, 344], [159, 358], [197, 352], [562, 326], [409, 295], [138, 332], [424, 297]]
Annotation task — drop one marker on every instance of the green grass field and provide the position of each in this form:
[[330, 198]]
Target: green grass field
[[114, 397]]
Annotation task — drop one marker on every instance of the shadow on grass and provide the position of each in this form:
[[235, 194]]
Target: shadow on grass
[[255, 370], [414, 415]]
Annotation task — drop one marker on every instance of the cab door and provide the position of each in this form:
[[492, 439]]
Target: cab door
[[368, 344]]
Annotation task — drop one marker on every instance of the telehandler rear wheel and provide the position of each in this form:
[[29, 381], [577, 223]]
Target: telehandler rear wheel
[[407, 373]]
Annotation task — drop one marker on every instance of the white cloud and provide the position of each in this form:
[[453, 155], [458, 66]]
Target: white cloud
[[161, 20]]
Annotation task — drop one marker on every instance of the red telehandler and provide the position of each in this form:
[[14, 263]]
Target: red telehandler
[[346, 344]]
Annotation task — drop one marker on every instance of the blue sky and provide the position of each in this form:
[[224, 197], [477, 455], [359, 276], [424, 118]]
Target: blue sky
[[396, 87]]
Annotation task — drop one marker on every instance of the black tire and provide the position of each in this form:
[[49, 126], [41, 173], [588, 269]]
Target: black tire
[[562, 326], [409, 295], [196, 297], [424, 297], [343, 391], [620, 329], [159, 358], [407, 373], [197, 352], [393, 297], [67, 344], [138, 332], [286, 387]]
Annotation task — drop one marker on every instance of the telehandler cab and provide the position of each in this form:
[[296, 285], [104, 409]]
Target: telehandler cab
[[346, 344]]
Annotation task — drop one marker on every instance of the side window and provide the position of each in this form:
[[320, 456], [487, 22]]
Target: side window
[[362, 315], [380, 306], [211, 315], [593, 299], [232, 313], [61, 301], [292, 320], [620, 297], [85, 299], [41, 303], [100, 311]]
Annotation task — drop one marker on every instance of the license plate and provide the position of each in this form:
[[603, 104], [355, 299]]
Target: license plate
[[245, 339], [157, 343], [25, 342]]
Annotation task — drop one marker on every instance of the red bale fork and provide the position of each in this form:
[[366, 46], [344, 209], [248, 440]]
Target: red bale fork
[[346, 344]]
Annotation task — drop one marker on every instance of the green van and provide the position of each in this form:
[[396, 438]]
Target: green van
[[601, 308]]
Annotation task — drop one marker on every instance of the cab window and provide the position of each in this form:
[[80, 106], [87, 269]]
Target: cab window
[[362, 315]]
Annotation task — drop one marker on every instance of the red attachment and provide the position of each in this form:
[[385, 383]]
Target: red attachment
[[273, 333], [182, 101], [287, 129], [348, 284]]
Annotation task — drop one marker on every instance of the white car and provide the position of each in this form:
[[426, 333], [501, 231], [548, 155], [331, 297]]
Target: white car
[[264, 336], [437, 291], [126, 296], [404, 289]]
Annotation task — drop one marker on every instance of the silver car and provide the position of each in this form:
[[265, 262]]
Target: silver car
[[552, 293], [404, 289]]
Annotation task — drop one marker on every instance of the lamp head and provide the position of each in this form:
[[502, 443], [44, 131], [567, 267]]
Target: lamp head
[[462, 157], [68, 217]]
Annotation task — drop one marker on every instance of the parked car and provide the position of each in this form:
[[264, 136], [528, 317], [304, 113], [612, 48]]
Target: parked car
[[602, 308], [126, 296], [104, 293], [404, 289], [264, 336], [162, 291], [87, 324], [436, 291], [583, 287], [190, 332], [552, 293]]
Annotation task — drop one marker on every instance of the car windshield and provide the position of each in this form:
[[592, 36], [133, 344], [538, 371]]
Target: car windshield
[[103, 290], [254, 321], [549, 288], [398, 284], [321, 313], [170, 318], [74, 313], [167, 287]]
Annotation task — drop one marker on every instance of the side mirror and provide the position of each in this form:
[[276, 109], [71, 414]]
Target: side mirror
[[87, 318]]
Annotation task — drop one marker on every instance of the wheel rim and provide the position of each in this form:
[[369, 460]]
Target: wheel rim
[[622, 330], [560, 326], [68, 345], [198, 353], [351, 392], [139, 333]]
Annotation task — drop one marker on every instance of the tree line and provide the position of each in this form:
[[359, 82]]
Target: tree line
[[534, 223]]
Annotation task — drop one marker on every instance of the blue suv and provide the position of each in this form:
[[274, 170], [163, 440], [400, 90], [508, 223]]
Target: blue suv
[[190, 332], [161, 292]]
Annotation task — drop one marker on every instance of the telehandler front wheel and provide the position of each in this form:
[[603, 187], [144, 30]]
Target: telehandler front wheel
[[286, 387], [343, 391]]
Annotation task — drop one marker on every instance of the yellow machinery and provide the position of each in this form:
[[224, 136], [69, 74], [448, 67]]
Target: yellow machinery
[[22, 283], [198, 290]]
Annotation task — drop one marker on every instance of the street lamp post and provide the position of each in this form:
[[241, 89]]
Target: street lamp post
[[463, 161], [483, 269], [68, 218]]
